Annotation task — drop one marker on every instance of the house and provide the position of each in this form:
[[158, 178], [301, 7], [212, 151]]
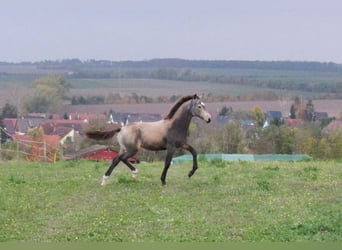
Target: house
[[35, 115], [63, 128], [50, 126], [21, 125], [320, 116], [86, 116], [126, 118], [273, 117], [10, 125], [65, 133], [98, 152], [293, 122], [143, 117], [335, 125], [247, 124]]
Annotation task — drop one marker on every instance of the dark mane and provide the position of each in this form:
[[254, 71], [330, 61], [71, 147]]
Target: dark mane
[[177, 105]]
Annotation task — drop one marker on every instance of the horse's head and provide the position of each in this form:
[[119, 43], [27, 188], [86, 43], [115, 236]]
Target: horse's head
[[197, 108]]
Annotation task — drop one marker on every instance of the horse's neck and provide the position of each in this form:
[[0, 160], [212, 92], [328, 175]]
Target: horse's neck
[[182, 118]]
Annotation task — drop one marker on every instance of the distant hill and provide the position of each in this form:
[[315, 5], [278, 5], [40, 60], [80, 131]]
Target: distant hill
[[184, 63], [222, 64]]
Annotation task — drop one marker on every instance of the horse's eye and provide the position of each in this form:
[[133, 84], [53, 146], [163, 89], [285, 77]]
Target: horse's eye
[[199, 106]]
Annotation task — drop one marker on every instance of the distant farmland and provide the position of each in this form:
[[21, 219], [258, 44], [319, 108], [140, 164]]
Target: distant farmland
[[155, 88], [237, 80], [15, 92]]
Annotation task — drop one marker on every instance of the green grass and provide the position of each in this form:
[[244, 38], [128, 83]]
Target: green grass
[[224, 201]]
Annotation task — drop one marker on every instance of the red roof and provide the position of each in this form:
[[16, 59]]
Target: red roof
[[333, 126], [293, 122], [98, 152], [50, 126]]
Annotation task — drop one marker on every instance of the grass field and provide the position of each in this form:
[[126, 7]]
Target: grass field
[[224, 201]]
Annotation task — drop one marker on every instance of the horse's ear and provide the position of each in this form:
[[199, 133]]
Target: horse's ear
[[195, 97]]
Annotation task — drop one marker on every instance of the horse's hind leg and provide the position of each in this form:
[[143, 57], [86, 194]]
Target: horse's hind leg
[[115, 162], [124, 158], [132, 168]]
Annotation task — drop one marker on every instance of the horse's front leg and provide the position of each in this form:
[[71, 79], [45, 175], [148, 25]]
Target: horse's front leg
[[167, 163], [194, 158]]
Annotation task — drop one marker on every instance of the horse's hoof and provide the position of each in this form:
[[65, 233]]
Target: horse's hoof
[[135, 173], [163, 182], [104, 180]]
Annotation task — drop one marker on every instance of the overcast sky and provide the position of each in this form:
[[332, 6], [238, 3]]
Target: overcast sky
[[304, 30]]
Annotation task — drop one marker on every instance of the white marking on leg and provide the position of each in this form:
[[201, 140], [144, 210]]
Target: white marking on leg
[[104, 180], [135, 173]]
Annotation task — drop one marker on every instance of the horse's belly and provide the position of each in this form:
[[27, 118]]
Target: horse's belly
[[153, 145]]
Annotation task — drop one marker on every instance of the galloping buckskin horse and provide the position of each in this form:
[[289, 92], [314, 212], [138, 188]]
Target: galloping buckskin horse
[[167, 134]]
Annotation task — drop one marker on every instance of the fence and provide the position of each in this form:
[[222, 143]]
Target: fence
[[244, 157], [30, 150]]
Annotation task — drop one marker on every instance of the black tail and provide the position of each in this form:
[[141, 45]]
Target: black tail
[[101, 135]]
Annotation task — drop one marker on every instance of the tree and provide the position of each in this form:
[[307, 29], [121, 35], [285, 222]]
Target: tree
[[3, 137], [335, 141], [298, 106], [54, 83], [309, 112], [266, 140], [42, 103], [230, 138], [9, 111], [259, 116], [225, 111], [285, 143], [47, 94], [292, 112]]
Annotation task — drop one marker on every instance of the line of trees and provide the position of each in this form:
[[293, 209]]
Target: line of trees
[[274, 139], [231, 139], [183, 63], [188, 74]]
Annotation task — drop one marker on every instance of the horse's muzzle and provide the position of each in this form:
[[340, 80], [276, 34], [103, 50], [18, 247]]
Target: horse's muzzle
[[209, 120]]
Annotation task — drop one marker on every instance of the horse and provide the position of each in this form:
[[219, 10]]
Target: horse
[[169, 133]]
